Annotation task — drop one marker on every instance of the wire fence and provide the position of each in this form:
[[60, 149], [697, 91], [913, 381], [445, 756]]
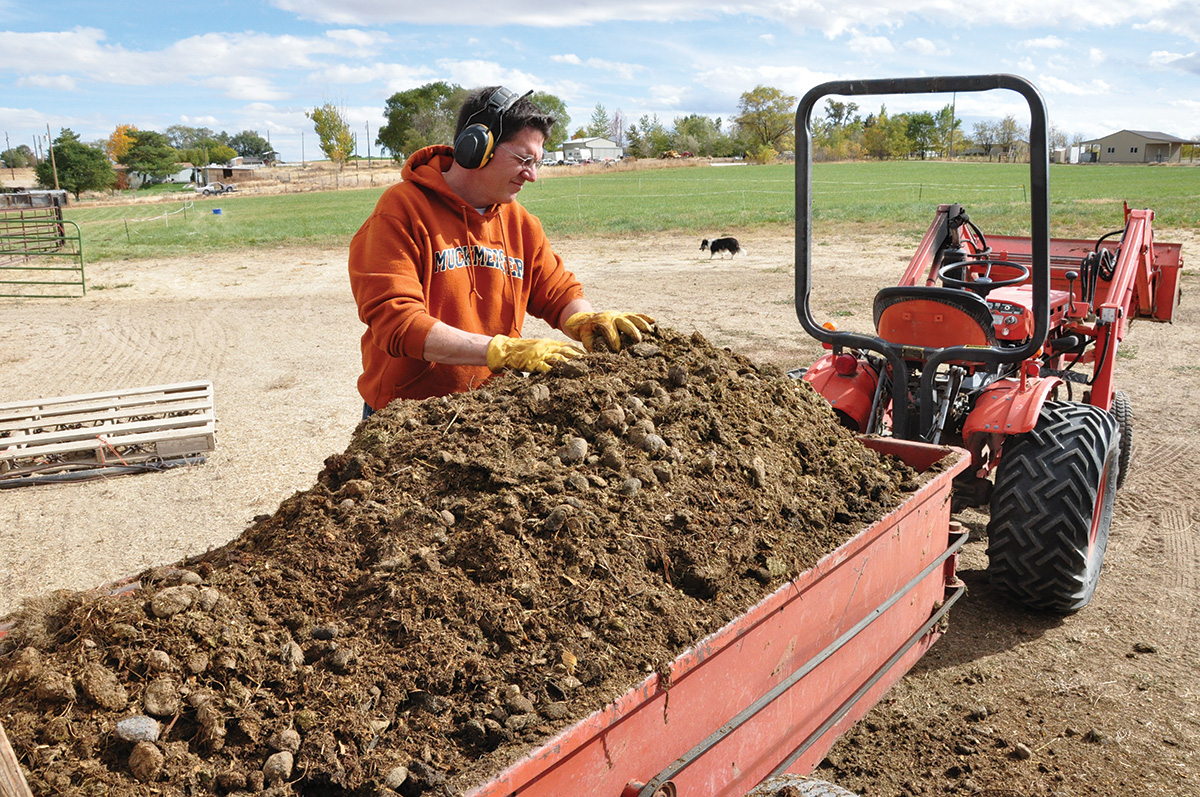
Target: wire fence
[[164, 217]]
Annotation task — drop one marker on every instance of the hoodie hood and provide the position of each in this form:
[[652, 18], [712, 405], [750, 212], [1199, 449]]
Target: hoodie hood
[[427, 168]]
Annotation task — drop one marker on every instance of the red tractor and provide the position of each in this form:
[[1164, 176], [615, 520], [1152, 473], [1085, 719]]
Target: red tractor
[[1006, 347]]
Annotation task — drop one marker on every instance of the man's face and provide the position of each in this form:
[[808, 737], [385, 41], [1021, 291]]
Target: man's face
[[513, 164]]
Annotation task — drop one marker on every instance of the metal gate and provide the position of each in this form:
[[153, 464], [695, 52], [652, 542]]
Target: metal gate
[[41, 253]]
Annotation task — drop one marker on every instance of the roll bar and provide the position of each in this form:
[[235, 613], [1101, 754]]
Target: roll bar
[[1039, 233]]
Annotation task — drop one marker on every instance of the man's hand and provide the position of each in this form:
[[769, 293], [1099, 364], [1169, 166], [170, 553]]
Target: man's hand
[[528, 354], [584, 326]]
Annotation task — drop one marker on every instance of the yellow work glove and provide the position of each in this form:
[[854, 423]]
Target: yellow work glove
[[584, 326], [528, 354]]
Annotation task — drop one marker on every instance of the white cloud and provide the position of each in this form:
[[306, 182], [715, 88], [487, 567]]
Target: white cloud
[[83, 52], [362, 39], [769, 38], [622, 70], [922, 46], [831, 18], [52, 82], [475, 73], [1097, 56], [246, 87], [1164, 58], [1045, 43], [870, 45], [667, 96], [1054, 85]]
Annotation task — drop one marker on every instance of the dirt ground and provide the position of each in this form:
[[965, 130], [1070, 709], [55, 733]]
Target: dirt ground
[[1008, 703]]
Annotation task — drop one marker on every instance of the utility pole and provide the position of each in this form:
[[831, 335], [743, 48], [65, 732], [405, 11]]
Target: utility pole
[[368, 125], [953, 108], [53, 165], [7, 147], [303, 165]]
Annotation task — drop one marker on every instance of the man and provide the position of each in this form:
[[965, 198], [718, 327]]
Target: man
[[448, 264]]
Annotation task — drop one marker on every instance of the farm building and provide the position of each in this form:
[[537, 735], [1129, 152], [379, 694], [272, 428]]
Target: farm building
[[1136, 146], [596, 149], [216, 173]]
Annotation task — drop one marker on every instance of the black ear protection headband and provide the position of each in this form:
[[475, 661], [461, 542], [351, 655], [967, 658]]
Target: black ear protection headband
[[476, 144]]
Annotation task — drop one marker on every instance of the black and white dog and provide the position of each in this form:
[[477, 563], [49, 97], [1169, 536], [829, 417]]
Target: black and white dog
[[729, 245]]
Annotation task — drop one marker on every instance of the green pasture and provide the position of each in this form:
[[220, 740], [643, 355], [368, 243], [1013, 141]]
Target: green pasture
[[1085, 201]]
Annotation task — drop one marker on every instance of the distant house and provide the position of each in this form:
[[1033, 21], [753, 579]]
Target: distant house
[[1136, 146], [129, 179], [594, 149]]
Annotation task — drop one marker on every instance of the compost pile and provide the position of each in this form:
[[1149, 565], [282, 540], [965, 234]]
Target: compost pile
[[472, 575]]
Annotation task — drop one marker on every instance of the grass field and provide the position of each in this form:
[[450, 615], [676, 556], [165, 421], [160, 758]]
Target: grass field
[[897, 196]]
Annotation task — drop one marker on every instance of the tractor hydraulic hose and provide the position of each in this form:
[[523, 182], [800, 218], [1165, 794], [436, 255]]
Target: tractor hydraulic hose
[[1107, 265], [1103, 356], [982, 239]]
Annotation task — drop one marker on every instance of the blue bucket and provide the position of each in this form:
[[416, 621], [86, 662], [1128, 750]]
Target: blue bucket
[[216, 211]]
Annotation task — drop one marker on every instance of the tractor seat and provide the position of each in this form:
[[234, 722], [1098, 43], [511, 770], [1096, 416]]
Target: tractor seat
[[933, 317]]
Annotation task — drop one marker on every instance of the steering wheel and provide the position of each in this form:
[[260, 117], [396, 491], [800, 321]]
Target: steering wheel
[[983, 283]]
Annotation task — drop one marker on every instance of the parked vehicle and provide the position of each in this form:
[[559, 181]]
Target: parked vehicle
[[214, 188]]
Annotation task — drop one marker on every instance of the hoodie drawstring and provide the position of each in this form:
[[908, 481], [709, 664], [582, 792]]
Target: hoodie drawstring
[[470, 254], [506, 270]]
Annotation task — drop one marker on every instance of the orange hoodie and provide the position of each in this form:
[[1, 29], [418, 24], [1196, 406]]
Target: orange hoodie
[[424, 256]]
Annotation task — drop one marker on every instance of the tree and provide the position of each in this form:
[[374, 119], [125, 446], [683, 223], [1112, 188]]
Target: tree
[[840, 114], [766, 118], [249, 144], [1009, 133], [554, 106], [419, 117], [945, 126], [885, 136], [698, 134], [207, 151], [616, 129], [986, 135], [921, 130], [119, 142], [183, 137], [79, 167], [599, 126], [19, 157], [648, 138], [1057, 139], [151, 154], [337, 142]]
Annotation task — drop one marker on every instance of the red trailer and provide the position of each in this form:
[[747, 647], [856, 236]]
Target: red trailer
[[770, 692]]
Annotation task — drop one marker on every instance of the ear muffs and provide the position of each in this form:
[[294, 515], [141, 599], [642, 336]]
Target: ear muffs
[[476, 144]]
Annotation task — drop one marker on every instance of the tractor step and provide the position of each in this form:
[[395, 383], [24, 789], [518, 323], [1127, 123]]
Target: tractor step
[[99, 433]]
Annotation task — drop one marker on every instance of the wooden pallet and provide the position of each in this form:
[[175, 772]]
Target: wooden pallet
[[98, 431]]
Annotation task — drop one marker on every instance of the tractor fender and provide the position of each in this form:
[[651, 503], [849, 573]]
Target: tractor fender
[[1005, 408], [850, 395]]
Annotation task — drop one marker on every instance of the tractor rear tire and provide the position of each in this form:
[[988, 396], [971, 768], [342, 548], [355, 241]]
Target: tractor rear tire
[[1052, 507], [1122, 410]]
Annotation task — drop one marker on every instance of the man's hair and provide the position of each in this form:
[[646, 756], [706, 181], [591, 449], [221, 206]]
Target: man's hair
[[522, 115]]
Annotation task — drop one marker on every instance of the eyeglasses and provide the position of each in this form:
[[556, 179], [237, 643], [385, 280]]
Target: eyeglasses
[[526, 161]]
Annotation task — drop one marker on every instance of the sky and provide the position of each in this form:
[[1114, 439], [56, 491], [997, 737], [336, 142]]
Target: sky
[[1101, 65]]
